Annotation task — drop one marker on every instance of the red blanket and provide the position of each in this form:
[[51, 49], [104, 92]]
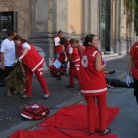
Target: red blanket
[[68, 122], [75, 117], [56, 133]]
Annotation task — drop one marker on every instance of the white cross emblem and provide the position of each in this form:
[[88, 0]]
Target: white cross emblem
[[84, 61]]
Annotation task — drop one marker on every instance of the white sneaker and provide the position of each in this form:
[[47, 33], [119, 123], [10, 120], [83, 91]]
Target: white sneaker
[[26, 96], [46, 96]]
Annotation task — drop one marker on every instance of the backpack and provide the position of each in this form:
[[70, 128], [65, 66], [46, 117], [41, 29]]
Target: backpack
[[58, 72], [35, 112]]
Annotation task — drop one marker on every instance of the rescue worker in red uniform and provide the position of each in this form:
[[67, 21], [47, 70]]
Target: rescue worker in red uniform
[[93, 84], [32, 63], [65, 43], [74, 60], [63, 55], [133, 69], [57, 47]]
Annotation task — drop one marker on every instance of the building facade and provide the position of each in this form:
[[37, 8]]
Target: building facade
[[40, 20]]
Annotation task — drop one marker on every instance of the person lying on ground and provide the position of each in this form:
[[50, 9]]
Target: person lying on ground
[[109, 72], [111, 83]]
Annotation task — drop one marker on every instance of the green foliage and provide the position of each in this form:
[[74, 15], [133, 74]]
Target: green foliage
[[131, 9], [136, 17]]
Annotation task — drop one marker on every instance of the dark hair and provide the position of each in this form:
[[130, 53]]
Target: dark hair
[[60, 32], [17, 37], [73, 40], [63, 40], [11, 33], [88, 39]]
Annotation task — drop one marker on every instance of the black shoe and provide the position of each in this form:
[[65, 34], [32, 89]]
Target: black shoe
[[69, 86], [107, 131], [112, 72], [89, 133]]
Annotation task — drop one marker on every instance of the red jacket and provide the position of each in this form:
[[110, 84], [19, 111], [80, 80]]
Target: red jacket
[[92, 82], [75, 55], [32, 59]]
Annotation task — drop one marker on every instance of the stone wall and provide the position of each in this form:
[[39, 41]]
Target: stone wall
[[75, 14], [23, 14]]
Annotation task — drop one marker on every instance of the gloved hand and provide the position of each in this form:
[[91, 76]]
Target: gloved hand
[[128, 79], [104, 62], [16, 60], [20, 58]]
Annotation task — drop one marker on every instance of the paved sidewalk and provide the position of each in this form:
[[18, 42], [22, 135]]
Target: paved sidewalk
[[10, 107]]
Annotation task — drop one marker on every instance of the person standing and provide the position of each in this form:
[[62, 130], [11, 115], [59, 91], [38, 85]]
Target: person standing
[[8, 56], [93, 84], [57, 47], [74, 61], [133, 68], [66, 43], [32, 63]]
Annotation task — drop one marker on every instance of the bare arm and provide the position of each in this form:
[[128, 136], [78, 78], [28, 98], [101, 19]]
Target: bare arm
[[130, 64], [98, 61], [69, 57], [24, 52], [106, 72], [2, 60]]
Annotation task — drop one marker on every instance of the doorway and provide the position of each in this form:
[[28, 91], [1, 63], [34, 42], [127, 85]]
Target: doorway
[[105, 13]]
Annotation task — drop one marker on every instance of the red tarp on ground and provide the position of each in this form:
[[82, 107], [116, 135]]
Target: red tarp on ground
[[75, 117], [72, 119]]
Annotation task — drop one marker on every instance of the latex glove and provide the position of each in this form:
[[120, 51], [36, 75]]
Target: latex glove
[[16, 60], [104, 62], [128, 79], [20, 58]]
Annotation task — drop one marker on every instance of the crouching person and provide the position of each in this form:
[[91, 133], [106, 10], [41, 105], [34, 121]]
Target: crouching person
[[32, 63]]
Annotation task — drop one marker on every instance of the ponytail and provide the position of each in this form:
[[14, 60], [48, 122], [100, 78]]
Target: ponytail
[[88, 39]]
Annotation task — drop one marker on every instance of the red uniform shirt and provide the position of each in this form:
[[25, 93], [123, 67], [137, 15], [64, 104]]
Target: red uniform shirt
[[92, 82], [75, 54], [134, 53], [132, 50], [32, 59]]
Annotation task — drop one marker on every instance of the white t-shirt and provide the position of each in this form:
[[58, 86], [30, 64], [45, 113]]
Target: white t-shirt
[[24, 45], [8, 48], [70, 50]]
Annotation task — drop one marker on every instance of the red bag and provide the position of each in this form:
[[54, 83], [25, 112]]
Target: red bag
[[134, 74], [58, 72], [35, 112]]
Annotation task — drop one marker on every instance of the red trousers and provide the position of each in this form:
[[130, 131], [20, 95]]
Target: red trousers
[[74, 69], [40, 78], [91, 110]]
